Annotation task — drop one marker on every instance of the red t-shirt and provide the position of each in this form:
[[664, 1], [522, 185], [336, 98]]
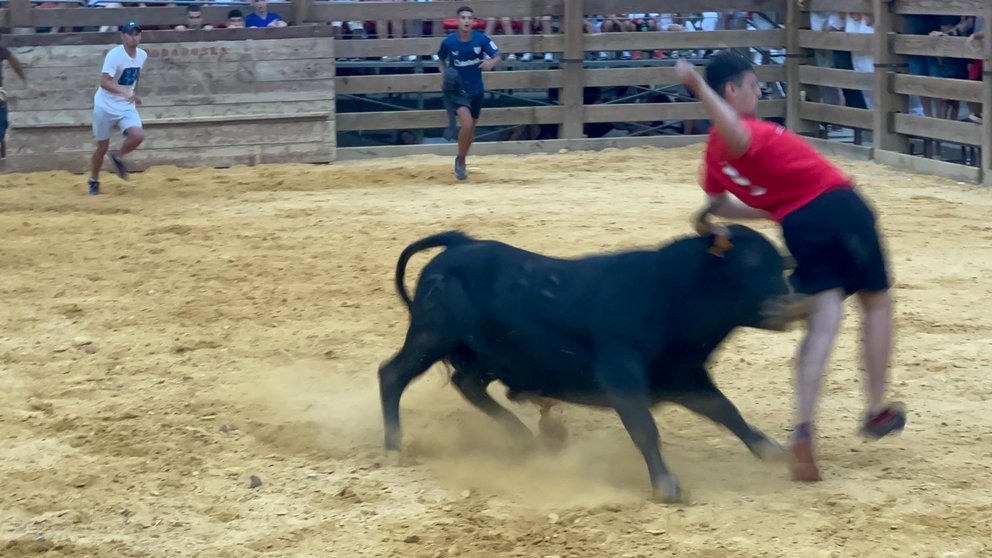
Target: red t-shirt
[[779, 173]]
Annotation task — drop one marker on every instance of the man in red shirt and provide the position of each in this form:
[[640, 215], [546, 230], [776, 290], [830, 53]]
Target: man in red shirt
[[827, 226]]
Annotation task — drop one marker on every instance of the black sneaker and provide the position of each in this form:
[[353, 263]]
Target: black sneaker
[[94, 186], [119, 165]]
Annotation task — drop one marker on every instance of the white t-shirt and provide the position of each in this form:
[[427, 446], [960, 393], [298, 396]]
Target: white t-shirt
[[124, 70]]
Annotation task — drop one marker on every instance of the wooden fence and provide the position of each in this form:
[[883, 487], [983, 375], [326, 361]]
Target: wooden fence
[[209, 99], [889, 124]]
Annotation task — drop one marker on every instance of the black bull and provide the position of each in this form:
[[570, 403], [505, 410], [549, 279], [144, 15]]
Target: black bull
[[625, 331]]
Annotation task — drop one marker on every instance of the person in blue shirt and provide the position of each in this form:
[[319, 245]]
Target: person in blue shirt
[[261, 17], [461, 60]]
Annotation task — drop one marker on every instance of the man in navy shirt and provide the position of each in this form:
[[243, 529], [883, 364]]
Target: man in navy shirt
[[261, 17], [464, 52]]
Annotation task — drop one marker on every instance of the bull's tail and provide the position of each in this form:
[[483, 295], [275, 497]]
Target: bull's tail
[[446, 239]]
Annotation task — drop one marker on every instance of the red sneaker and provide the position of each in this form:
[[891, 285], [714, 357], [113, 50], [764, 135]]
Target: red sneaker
[[891, 420]]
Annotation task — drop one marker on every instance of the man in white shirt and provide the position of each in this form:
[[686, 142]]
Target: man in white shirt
[[115, 103]]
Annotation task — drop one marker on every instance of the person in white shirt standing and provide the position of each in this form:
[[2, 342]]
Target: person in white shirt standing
[[115, 103]]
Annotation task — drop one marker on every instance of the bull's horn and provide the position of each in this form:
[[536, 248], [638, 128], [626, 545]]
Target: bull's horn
[[704, 227], [789, 262]]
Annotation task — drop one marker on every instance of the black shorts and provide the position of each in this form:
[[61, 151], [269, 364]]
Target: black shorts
[[836, 244], [473, 102], [3, 120]]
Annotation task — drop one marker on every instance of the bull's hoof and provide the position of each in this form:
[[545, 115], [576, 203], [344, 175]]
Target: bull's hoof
[[668, 491], [552, 434], [767, 449], [393, 458]]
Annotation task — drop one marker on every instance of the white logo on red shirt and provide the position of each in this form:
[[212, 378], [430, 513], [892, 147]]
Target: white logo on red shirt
[[736, 178]]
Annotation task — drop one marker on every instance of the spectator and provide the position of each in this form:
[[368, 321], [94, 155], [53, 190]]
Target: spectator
[[194, 19], [861, 61], [235, 19], [261, 16], [975, 68]]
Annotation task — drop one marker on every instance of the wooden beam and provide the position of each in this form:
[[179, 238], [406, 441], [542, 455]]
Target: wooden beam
[[599, 77], [834, 114], [20, 14], [519, 147], [429, 45], [831, 77], [197, 157], [857, 6], [436, 9], [158, 15], [653, 112], [922, 165], [954, 47], [940, 7], [834, 40], [939, 88], [396, 120], [573, 71], [301, 11], [430, 83], [149, 37], [838, 149], [884, 101], [679, 40], [793, 65], [967, 133], [682, 6]]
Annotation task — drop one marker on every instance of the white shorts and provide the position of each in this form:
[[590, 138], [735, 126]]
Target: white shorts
[[104, 120]]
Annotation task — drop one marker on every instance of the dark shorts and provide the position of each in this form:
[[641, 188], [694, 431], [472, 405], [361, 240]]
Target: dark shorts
[[835, 242], [3, 120], [473, 102]]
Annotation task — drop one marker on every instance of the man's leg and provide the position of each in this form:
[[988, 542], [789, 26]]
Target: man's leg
[[465, 136], [95, 163], [133, 136], [814, 352], [877, 336]]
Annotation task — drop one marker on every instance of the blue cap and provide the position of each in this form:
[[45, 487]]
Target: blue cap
[[130, 26]]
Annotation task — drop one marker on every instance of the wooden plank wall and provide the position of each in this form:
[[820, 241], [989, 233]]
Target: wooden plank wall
[[205, 103], [888, 121], [266, 103]]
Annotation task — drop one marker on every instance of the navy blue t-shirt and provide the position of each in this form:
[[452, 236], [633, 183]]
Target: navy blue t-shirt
[[466, 57]]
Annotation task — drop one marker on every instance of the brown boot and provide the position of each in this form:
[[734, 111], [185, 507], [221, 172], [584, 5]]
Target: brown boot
[[803, 464]]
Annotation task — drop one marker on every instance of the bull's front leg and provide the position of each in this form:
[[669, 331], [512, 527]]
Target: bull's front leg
[[624, 379], [705, 399]]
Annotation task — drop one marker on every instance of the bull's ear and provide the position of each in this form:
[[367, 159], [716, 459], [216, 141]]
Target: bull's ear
[[789, 262]]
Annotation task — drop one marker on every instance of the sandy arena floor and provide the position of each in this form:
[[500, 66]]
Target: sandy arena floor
[[165, 342]]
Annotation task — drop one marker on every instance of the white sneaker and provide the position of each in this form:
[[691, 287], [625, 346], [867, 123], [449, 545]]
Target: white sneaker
[[526, 57], [548, 57]]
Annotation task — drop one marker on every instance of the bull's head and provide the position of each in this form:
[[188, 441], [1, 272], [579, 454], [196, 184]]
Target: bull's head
[[783, 308]]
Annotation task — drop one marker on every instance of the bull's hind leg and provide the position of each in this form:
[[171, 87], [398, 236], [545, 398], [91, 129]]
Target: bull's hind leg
[[707, 400], [417, 355], [473, 389]]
